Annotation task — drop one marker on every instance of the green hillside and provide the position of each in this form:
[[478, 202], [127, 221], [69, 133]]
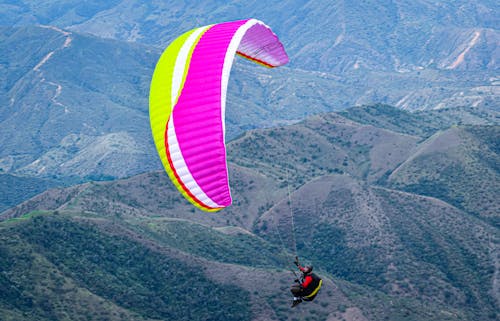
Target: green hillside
[[393, 119], [15, 189], [393, 242], [59, 268], [460, 166], [212, 244], [420, 123], [322, 145]]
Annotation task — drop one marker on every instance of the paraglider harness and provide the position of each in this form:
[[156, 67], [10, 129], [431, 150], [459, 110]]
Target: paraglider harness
[[310, 292]]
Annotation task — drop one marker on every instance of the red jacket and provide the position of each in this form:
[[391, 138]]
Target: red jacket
[[307, 279]]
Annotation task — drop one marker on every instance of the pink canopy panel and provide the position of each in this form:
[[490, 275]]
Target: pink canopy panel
[[188, 100]]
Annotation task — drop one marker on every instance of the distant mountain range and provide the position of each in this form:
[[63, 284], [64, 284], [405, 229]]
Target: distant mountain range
[[411, 54], [75, 76], [363, 212], [74, 101], [330, 36]]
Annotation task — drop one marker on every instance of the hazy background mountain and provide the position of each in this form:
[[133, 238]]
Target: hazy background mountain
[[320, 35], [413, 55], [385, 253]]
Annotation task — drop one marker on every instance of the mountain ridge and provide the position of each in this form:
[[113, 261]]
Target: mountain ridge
[[465, 155], [375, 240]]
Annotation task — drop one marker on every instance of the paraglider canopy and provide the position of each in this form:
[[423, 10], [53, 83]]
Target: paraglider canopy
[[188, 100]]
